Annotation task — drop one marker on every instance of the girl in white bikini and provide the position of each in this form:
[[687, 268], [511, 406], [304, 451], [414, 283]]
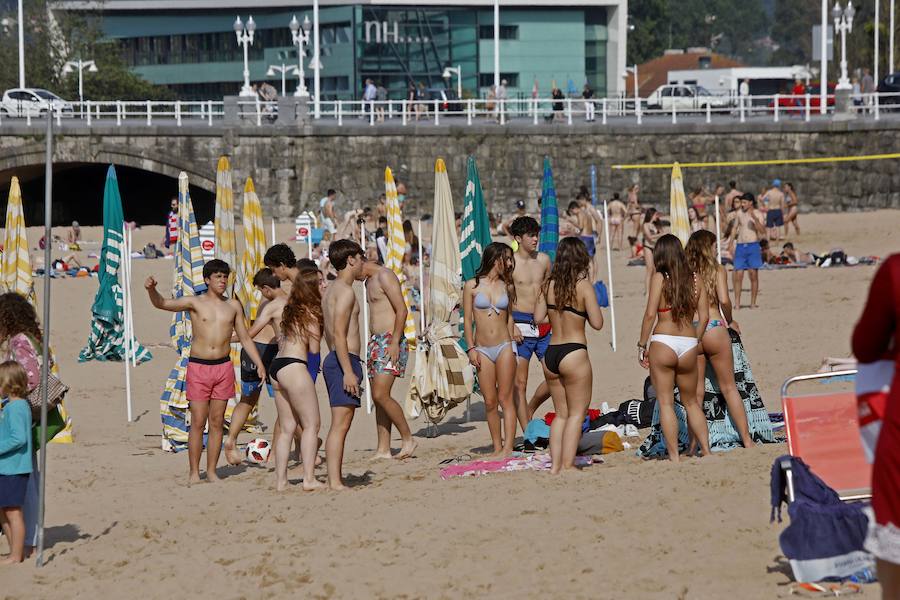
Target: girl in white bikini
[[489, 326], [716, 341], [672, 355]]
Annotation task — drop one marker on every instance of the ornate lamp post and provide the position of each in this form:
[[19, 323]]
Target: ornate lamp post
[[245, 39], [284, 70], [300, 35], [80, 66], [843, 24]]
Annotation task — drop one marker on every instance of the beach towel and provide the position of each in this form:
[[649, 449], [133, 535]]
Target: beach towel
[[534, 462], [722, 434]]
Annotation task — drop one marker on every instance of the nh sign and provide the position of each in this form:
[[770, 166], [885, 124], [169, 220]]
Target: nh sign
[[383, 32]]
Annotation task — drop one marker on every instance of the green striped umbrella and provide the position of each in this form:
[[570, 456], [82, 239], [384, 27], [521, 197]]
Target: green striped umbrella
[[549, 238], [107, 337], [476, 227]]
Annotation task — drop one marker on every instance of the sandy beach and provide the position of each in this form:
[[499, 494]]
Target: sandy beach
[[122, 523]]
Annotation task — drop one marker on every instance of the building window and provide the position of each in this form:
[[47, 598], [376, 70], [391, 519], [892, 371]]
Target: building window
[[487, 79], [507, 32]]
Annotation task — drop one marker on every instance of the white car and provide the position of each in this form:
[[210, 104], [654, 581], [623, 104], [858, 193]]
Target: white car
[[22, 102], [685, 97]]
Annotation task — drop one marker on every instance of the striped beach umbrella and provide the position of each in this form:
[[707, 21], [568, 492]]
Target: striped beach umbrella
[[107, 337], [678, 211], [396, 247], [476, 226], [16, 262], [226, 245], [443, 376], [254, 251], [188, 281], [549, 238]]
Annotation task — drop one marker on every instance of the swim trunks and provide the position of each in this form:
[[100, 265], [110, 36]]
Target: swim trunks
[[209, 379], [267, 353], [334, 380], [589, 242], [313, 362], [747, 256], [530, 344], [379, 360], [774, 218]]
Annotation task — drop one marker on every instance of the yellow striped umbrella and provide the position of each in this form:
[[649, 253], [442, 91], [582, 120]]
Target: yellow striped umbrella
[[395, 249], [678, 211], [254, 250], [226, 246], [16, 262]]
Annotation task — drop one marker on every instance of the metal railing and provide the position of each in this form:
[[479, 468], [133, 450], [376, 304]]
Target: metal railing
[[536, 111]]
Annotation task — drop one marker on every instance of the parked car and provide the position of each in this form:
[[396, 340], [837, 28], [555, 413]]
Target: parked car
[[815, 99], [447, 99], [686, 97], [22, 102], [890, 85]]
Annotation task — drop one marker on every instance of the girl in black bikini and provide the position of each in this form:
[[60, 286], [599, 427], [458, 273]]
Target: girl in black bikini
[[301, 326], [569, 299]]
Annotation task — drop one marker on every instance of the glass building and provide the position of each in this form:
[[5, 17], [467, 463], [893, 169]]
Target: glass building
[[190, 46]]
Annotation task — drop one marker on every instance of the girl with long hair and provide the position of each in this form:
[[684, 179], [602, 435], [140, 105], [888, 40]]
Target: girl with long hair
[[675, 296], [633, 208], [793, 207], [715, 340], [302, 324], [570, 301], [487, 319], [650, 233]]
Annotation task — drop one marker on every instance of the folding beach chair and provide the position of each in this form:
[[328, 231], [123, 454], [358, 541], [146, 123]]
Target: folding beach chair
[[823, 430]]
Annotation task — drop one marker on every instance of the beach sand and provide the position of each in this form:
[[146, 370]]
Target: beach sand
[[121, 522]]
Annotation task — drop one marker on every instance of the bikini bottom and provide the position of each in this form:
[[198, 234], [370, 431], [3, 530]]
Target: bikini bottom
[[680, 344], [557, 352], [281, 362], [493, 352]]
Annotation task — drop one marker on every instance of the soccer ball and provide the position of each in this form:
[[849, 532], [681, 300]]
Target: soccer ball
[[258, 451]]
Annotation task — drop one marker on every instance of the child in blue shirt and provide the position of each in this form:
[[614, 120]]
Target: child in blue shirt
[[15, 457]]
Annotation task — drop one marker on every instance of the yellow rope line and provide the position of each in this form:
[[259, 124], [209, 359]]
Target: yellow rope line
[[750, 163]]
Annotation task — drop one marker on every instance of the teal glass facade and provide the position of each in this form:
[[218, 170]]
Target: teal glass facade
[[196, 55]]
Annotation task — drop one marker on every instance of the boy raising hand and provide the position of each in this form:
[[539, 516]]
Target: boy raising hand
[[210, 374]]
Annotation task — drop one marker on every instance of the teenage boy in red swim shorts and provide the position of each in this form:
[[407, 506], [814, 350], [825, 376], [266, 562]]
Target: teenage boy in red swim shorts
[[210, 374]]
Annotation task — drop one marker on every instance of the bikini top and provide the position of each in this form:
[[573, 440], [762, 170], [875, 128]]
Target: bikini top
[[483, 302], [581, 313]]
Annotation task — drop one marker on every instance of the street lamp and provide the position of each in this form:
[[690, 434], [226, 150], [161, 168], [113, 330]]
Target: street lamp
[[284, 70], [80, 65], [245, 39], [843, 24], [300, 35], [457, 70]]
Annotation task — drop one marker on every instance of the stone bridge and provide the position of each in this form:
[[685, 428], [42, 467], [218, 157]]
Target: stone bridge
[[293, 166]]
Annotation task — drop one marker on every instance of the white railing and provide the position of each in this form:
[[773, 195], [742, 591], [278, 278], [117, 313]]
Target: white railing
[[536, 111]]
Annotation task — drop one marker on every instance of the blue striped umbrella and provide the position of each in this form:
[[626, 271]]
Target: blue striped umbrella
[[188, 281], [549, 238]]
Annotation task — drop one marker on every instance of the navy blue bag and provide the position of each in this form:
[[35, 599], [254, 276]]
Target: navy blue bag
[[602, 295]]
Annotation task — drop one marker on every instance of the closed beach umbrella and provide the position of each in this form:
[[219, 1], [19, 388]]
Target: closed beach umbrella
[[678, 211], [476, 227], [549, 238], [188, 281], [107, 336], [16, 265], [443, 376], [254, 251], [396, 247], [226, 246]]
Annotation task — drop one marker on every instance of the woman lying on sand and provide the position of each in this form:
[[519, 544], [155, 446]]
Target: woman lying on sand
[[675, 296]]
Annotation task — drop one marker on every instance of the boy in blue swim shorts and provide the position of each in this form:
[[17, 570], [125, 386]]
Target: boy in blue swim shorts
[[747, 255]]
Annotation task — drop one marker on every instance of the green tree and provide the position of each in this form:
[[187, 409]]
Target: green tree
[[792, 31], [51, 39]]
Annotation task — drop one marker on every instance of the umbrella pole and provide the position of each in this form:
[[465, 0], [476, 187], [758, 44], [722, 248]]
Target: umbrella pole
[[612, 304], [365, 337], [718, 232], [273, 231], [421, 281], [45, 350], [126, 301]]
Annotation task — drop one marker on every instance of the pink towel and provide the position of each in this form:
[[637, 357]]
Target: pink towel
[[535, 462]]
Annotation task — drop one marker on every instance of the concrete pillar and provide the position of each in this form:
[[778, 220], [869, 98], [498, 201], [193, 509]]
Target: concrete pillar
[[232, 111]]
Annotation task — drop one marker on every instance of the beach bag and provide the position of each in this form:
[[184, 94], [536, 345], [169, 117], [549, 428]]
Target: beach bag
[[56, 391], [602, 295], [826, 536], [636, 412], [55, 424], [873, 385]]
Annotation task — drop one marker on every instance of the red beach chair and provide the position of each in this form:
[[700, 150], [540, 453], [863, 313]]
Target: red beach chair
[[823, 430]]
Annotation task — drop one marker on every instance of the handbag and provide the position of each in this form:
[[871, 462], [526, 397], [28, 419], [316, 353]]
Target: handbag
[[56, 391]]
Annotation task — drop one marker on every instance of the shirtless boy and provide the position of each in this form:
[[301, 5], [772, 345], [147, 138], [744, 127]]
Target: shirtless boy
[[774, 199], [747, 254], [210, 375], [388, 354], [530, 271], [342, 368], [617, 214], [264, 332]]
